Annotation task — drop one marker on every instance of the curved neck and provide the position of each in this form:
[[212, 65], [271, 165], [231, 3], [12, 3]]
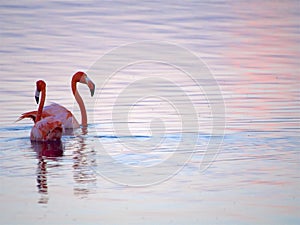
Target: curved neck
[[41, 106], [80, 103]]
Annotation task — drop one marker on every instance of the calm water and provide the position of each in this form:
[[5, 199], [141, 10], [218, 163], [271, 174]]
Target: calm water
[[252, 50]]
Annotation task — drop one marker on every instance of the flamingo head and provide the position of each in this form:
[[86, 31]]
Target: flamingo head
[[84, 79], [40, 86]]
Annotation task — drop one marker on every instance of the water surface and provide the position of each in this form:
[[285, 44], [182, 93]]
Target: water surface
[[252, 49]]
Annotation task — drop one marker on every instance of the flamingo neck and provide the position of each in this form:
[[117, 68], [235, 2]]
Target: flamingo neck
[[41, 106], [80, 103]]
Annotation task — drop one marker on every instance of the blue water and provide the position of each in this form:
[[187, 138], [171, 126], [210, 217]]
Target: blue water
[[135, 163]]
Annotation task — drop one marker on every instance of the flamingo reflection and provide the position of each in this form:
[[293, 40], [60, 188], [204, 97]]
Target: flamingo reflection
[[45, 150], [84, 177]]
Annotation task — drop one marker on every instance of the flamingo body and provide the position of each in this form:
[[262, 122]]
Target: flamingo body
[[67, 119], [47, 129]]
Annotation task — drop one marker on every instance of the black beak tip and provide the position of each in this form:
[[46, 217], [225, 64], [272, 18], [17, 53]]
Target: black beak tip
[[92, 91], [37, 100]]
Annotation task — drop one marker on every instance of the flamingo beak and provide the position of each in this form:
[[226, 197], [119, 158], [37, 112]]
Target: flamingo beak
[[37, 96], [91, 86]]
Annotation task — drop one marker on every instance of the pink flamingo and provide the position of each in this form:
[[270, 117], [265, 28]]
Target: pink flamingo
[[48, 128], [61, 113]]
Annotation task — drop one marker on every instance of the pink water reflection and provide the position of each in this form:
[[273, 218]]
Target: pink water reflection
[[265, 91]]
